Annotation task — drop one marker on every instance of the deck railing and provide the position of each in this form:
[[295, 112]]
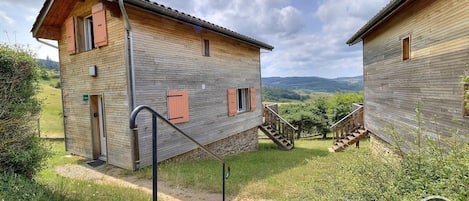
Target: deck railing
[[272, 118], [349, 123]]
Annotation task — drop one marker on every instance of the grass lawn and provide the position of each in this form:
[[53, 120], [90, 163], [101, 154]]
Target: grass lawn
[[61, 188], [309, 172], [306, 173], [51, 123]]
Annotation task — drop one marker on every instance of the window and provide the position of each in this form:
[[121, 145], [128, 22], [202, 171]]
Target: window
[[89, 35], [206, 48], [241, 100], [406, 48], [178, 106], [241, 96]]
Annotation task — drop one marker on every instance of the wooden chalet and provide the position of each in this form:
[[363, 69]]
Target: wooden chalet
[[416, 51], [118, 54]]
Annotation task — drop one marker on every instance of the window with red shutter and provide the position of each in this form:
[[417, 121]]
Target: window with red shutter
[[178, 106]]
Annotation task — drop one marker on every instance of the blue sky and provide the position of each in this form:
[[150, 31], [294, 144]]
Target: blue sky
[[308, 35]]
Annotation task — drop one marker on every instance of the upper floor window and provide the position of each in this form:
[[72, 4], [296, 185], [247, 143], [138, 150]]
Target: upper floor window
[[206, 48], [406, 48], [89, 33]]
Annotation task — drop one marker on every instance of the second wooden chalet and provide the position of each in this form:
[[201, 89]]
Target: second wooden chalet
[[416, 51]]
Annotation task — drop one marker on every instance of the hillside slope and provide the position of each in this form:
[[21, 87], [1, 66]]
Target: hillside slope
[[315, 83]]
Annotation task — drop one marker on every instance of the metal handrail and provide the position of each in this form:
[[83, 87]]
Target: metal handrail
[[226, 168]]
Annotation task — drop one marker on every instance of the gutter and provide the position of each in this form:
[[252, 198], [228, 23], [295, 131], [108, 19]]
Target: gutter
[[130, 61], [46, 43]]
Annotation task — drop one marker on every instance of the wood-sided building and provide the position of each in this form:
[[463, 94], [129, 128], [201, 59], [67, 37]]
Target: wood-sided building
[[116, 55], [416, 51]]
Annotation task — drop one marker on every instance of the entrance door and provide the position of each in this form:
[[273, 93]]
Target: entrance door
[[97, 125]]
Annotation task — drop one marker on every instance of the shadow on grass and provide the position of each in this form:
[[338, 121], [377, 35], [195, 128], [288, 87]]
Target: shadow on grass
[[245, 168]]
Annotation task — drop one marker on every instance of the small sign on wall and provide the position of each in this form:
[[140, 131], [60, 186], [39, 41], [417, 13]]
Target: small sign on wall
[[85, 97]]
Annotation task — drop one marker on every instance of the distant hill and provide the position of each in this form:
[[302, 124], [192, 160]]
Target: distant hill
[[48, 64], [315, 83]]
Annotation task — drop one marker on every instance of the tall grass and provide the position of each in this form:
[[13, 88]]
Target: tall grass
[[49, 186]]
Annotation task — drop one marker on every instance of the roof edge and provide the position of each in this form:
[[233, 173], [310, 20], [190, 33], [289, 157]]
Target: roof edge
[[382, 15], [42, 15], [167, 11]]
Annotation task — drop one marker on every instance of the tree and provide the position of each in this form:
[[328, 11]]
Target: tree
[[340, 105], [307, 117], [21, 151]]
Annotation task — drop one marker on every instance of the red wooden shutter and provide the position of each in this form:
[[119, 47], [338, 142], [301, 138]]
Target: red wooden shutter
[[99, 24], [252, 94], [178, 106], [70, 34], [232, 106]]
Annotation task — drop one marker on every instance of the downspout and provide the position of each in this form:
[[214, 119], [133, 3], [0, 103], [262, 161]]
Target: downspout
[[134, 141]]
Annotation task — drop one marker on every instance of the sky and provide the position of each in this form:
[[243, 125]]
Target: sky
[[308, 35]]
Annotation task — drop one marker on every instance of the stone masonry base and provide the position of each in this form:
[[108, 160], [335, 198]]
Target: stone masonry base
[[242, 142], [379, 147]]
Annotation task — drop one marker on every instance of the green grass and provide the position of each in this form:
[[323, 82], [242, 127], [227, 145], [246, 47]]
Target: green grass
[[62, 188], [305, 173], [51, 123]]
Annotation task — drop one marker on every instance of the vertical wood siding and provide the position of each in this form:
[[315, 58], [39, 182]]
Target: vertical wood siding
[[439, 56], [110, 82], [169, 56]]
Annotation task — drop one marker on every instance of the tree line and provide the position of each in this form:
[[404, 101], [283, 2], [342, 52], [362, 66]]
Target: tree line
[[318, 114]]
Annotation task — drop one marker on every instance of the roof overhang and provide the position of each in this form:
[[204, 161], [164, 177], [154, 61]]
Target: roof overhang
[[51, 17], [54, 12], [385, 13]]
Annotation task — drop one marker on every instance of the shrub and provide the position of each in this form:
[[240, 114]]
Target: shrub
[[433, 167], [21, 151], [17, 187]]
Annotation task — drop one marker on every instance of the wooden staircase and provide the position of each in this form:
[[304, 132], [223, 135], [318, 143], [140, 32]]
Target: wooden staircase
[[349, 130], [277, 128]]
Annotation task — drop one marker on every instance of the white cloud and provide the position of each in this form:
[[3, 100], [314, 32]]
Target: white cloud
[[301, 49], [4, 18]]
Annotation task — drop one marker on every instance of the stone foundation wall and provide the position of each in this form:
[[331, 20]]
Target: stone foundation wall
[[242, 142], [381, 148]]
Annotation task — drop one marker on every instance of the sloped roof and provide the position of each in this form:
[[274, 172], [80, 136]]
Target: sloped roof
[[53, 14], [391, 8]]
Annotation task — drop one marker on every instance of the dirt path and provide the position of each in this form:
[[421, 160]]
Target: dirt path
[[112, 176]]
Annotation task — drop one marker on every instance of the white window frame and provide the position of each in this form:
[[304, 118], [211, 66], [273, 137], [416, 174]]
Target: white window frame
[[88, 32], [242, 99]]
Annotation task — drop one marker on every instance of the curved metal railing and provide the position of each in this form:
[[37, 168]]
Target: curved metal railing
[[155, 115]]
